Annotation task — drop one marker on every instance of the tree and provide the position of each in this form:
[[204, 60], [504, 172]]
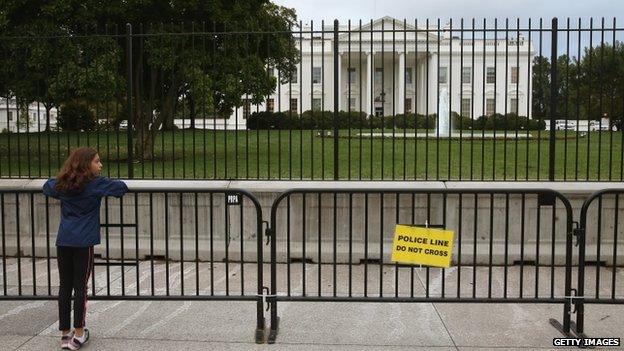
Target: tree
[[218, 56], [212, 70], [589, 87], [602, 81], [541, 87], [45, 61], [76, 117]]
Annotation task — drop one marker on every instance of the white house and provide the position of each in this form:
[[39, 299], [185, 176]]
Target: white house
[[33, 120], [385, 72]]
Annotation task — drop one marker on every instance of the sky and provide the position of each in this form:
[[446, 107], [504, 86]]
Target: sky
[[366, 10]]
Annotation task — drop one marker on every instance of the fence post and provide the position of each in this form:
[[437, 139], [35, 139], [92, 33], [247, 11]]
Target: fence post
[[553, 99], [336, 97], [129, 92]]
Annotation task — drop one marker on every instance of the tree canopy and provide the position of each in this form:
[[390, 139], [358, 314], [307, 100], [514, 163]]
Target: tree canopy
[[208, 54], [591, 87]]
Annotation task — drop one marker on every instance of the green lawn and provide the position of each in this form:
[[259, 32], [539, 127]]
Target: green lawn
[[303, 155]]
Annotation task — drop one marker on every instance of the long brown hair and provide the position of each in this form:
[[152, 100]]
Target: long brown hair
[[76, 170]]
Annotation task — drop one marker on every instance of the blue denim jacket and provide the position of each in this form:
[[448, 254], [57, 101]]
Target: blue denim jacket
[[80, 211]]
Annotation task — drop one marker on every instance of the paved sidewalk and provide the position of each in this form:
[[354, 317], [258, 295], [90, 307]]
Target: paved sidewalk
[[213, 325], [229, 325]]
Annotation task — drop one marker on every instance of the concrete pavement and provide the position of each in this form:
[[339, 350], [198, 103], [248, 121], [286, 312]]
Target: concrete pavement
[[229, 325]]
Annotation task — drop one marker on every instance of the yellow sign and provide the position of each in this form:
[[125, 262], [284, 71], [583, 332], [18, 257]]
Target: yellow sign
[[424, 246]]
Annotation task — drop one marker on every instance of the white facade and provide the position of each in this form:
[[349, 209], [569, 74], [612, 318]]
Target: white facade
[[34, 122], [497, 76]]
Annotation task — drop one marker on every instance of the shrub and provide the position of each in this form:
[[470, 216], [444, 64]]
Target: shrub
[[325, 120], [76, 117]]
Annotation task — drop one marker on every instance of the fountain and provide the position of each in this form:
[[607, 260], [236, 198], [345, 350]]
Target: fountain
[[443, 127]]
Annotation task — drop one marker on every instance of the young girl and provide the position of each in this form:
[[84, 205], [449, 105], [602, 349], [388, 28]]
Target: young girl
[[80, 189]]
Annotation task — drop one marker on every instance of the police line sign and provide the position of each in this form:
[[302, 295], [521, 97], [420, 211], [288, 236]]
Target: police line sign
[[423, 246]]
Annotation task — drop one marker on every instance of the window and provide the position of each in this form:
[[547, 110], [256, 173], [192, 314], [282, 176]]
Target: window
[[489, 107], [491, 75], [246, 108], [466, 75], [316, 75], [316, 104], [466, 108], [270, 105], [352, 103], [379, 111], [513, 106], [10, 115], [408, 106], [293, 105], [294, 77], [514, 75], [408, 75], [442, 75], [352, 76], [378, 75]]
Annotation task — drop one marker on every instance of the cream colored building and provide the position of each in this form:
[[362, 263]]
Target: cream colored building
[[383, 71]]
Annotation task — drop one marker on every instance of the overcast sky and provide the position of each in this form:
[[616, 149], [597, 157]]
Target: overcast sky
[[366, 10]]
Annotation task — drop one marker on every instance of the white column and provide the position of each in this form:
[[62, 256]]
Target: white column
[[422, 85], [433, 82], [401, 97], [369, 82], [339, 82], [418, 85]]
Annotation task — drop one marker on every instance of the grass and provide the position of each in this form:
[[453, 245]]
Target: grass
[[206, 154]]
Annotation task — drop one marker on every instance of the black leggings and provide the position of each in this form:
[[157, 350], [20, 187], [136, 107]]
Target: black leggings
[[74, 265]]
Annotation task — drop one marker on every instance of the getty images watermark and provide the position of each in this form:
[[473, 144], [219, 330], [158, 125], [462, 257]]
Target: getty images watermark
[[586, 342]]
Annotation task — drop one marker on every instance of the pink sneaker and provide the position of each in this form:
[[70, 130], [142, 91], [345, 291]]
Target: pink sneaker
[[76, 342], [65, 339]]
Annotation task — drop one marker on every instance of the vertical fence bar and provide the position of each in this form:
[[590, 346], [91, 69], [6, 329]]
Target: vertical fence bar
[[47, 226], [8, 111], [553, 99], [360, 121], [303, 245], [472, 97], [394, 99], [612, 114], [349, 82], [567, 99], [322, 99], [483, 100], [450, 97], [19, 246], [334, 247], [129, 99], [506, 108], [600, 100], [319, 243], [495, 98], [136, 244], [336, 97], [3, 233], [300, 100], [578, 105], [31, 214], [372, 83], [312, 129]]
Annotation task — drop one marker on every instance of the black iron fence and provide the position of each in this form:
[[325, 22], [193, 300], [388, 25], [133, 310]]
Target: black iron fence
[[327, 245], [510, 246], [385, 99], [601, 243], [165, 245]]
